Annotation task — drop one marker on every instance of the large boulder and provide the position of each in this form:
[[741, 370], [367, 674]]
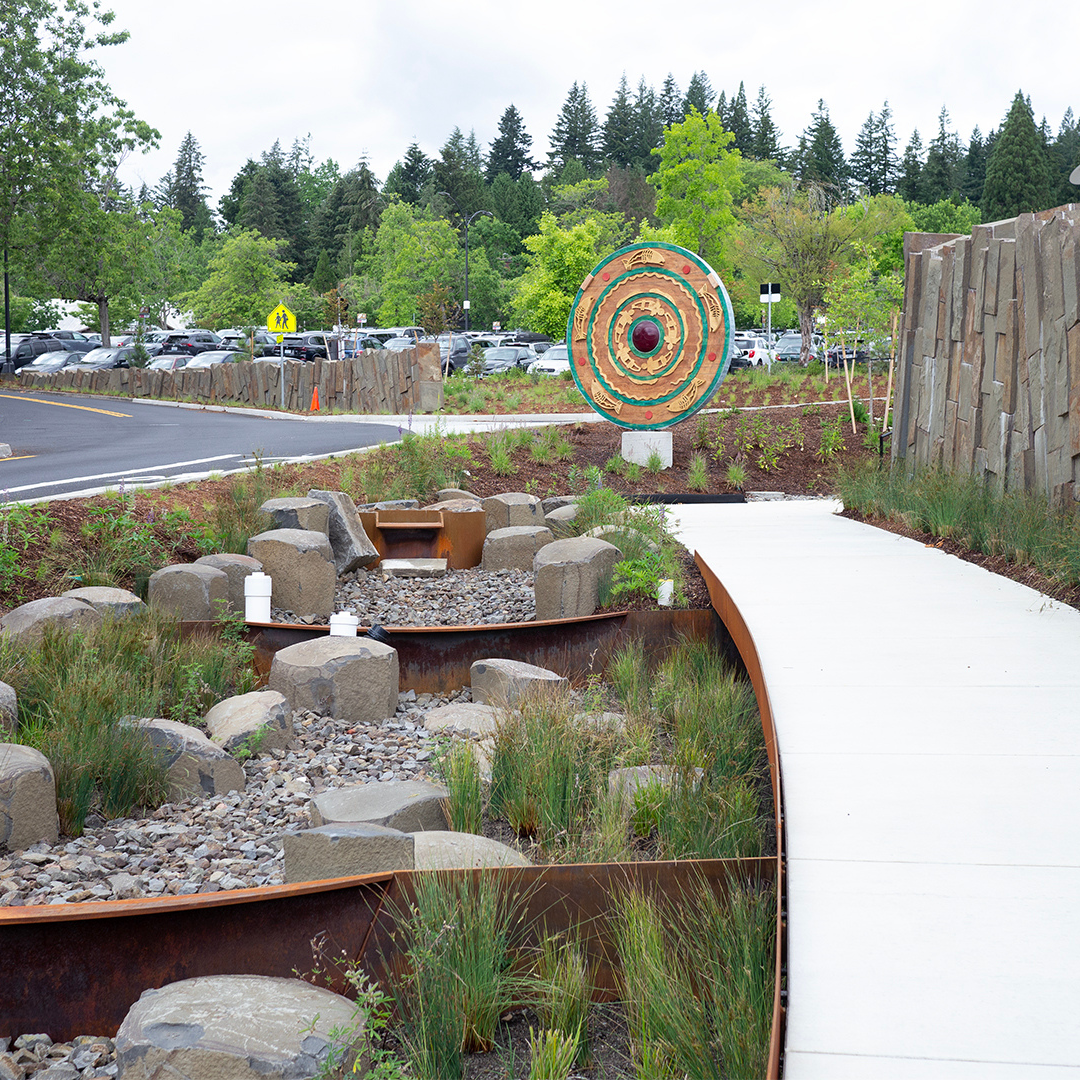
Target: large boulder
[[456, 851], [342, 850], [443, 494], [236, 568], [298, 513], [468, 719], [116, 603], [193, 764], [513, 548], [567, 576], [560, 519], [354, 679], [262, 717], [240, 1027], [352, 546], [498, 681], [9, 710], [301, 566], [29, 621], [512, 508], [27, 798], [189, 592], [406, 805]]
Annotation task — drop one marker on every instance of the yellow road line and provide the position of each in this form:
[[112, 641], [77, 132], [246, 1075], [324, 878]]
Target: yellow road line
[[18, 457], [65, 405]]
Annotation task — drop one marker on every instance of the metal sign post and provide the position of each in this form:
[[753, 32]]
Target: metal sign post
[[770, 294], [281, 321]]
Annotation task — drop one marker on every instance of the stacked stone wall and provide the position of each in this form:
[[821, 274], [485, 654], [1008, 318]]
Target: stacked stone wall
[[989, 373], [373, 382]]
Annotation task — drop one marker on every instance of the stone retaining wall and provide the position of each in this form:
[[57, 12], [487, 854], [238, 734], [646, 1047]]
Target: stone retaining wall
[[989, 374], [373, 382]]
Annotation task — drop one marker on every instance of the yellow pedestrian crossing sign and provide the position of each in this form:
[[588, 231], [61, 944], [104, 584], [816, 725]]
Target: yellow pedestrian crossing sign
[[281, 320]]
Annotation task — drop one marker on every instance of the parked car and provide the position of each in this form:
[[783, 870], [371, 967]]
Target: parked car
[[399, 344], [212, 358], [453, 352], [241, 340], [48, 362], [306, 346], [191, 342], [66, 335], [33, 347], [170, 362], [853, 354], [554, 362], [101, 358], [789, 347], [751, 351], [507, 357], [352, 346]]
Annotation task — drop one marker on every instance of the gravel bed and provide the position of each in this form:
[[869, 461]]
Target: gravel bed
[[232, 841], [460, 598], [37, 1055]]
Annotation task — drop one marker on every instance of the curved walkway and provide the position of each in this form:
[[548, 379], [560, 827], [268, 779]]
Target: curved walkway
[[928, 720]]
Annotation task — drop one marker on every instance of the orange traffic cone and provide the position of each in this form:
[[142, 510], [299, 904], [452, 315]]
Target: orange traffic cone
[[315, 400]]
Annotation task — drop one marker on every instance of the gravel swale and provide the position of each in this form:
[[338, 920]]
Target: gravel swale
[[231, 841], [460, 598]]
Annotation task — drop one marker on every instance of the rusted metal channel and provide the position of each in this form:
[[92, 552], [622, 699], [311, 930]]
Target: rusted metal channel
[[437, 659], [744, 642], [70, 969]]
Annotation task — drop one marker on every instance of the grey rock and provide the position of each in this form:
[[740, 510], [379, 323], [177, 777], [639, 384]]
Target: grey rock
[[391, 504], [445, 494], [263, 715], [455, 850], [243, 1027], [9, 709], [117, 603], [512, 508], [236, 568], [301, 565], [406, 805], [298, 513], [352, 546], [502, 682], [28, 621], [462, 718], [560, 520], [353, 678], [514, 547], [553, 502], [194, 765], [189, 592], [342, 850], [567, 576], [27, 798]]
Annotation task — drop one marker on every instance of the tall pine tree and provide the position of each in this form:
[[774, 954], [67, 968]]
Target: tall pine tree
[[1064, 157], [619, 141], [648, 127], [699, 94], [874, 165], [576, 134], [738, 122], [974, 168], [671, 107], [941, 178], [910, 184], [766, 134], [510, 151], [1017, 170], [408, 178], [183, 189], [821, 154]]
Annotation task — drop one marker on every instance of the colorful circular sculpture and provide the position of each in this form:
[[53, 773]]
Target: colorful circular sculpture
[[649, 336]]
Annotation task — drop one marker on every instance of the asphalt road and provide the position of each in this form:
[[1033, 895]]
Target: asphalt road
[[67, 445]]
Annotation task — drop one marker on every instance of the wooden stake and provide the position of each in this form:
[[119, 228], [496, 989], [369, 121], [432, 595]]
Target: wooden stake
[[847, 378], [892, 361]]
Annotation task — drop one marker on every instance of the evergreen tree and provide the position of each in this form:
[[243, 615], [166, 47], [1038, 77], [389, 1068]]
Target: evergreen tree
[[1017, 169], [576, 133], [352, 206], [940, 174], [910, 185], [738, 122], [618, 135], [1064, 157], [873, 164], [510, 151], [974, 168], [409, 177], [699, 94], [259, 207], [821, 155], [183, 189], [722, 110], [473, 157], [766, 134], [453, 172], [671, 110], [323, 279], [648, 127]]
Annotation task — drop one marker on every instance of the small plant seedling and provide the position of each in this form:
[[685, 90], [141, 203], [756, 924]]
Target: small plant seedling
[[697, 475], [654, 463], [736, 475]]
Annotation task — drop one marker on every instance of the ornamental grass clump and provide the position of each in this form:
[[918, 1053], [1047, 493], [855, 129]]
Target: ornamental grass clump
[[697, 981], [563, 992]]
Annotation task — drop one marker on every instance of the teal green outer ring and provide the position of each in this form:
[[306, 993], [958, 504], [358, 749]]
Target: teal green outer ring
[[723, 362]]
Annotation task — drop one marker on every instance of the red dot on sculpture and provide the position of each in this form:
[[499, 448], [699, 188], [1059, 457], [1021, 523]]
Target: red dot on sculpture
[[686, 269], [648, 414], [581, 361], [646, 336], [712, 357], [606, 277]]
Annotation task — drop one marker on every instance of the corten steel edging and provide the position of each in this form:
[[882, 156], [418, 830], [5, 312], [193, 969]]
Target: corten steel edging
[[72, 969], [437, 659], [75, 969], [744, 642]]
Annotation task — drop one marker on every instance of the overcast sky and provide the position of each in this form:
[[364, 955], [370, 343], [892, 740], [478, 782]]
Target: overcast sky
[[368, 77]]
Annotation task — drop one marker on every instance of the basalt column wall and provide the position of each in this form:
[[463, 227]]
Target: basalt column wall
[[988, 381]]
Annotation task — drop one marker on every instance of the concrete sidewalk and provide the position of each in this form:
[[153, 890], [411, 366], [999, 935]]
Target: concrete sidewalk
[[928, 719]]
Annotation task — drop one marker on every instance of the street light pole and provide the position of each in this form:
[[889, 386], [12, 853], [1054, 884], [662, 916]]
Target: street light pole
[[468, 221]]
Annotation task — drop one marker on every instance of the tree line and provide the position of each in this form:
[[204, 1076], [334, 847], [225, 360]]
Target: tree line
[[694, 167]]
